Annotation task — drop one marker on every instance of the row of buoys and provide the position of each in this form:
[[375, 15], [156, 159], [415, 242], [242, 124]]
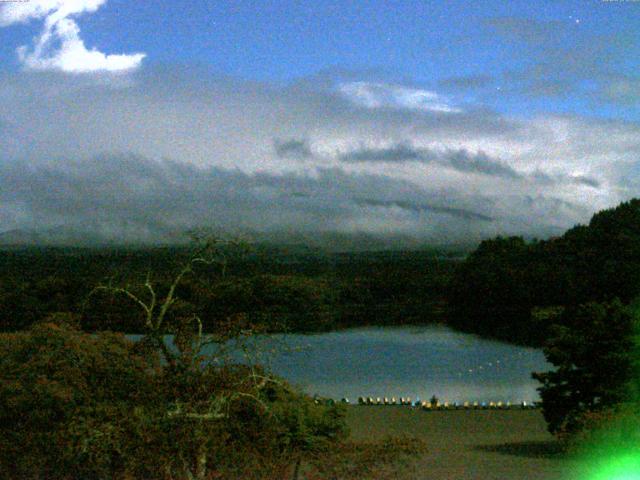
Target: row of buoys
[[385, 401], [477, 406], [445, 405]]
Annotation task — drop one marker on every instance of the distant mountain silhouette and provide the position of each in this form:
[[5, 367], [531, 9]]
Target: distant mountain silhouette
[[19, 237], [331, 241]]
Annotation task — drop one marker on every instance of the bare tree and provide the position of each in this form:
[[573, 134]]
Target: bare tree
[[190, 340]]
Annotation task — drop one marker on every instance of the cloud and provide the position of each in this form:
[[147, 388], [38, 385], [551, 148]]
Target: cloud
[[129, 197], [422, 207], [55, 10], [59, 46], [292, 148], [173, 148], [381, 95], [584, 180], [400, 152], [480, 162], [460, 160]]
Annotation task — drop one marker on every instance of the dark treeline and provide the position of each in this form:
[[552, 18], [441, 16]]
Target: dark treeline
[[515, 290], [273, 288], [507, 288]]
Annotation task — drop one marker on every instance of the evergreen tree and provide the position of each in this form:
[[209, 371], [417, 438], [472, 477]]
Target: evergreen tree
[[592, 351]]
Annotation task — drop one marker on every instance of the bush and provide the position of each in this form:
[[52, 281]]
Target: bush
[[80, 406], [65, 402]]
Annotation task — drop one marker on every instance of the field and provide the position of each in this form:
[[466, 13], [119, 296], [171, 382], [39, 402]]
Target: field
[[473, 445]]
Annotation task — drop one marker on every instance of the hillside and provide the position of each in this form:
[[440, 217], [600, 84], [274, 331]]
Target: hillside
[[512, 289]]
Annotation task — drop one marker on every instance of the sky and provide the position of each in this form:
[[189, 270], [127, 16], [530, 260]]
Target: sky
[[437, 121]]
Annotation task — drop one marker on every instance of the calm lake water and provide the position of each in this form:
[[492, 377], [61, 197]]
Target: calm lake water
[[404, 361]]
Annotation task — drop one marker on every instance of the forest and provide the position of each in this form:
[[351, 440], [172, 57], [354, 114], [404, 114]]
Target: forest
[[516, 290], [275, 288], [508, 287]]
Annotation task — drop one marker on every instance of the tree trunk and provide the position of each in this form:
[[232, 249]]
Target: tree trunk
[[296, 469], [201, 465]]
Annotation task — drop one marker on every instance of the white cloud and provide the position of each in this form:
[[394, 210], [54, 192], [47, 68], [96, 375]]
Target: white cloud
[[381, 95], [21, 12], [59, 46]]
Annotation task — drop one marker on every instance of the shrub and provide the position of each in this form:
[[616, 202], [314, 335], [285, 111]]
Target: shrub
[[81, 406], [65, 401]]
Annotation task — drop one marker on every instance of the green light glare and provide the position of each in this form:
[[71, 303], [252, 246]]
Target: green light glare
[[625, 467], [613, 451]]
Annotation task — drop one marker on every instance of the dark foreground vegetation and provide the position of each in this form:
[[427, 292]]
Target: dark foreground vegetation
[[76, 405]]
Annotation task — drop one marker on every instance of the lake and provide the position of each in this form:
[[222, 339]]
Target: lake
[[417, 362]]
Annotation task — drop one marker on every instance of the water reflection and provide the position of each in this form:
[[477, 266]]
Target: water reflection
[[404, 361]]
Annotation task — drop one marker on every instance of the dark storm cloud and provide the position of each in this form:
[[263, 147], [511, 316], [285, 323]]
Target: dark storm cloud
[[292, 148], [397, 153], [584, 180], [463, 161], [459, 160], [128, 197], [155, 196], [423, 207]]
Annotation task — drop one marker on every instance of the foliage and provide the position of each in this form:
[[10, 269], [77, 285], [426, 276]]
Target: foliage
[[65, 401], [277, 291], [593, 352], [497, 291], [278, 302], [73, 405], [494, 291], [490, 294]]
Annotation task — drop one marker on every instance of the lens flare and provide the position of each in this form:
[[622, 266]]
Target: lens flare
[[625, 467], [612, 450]]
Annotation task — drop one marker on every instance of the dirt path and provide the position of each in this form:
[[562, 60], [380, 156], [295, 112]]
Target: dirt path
[[474, 445]]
